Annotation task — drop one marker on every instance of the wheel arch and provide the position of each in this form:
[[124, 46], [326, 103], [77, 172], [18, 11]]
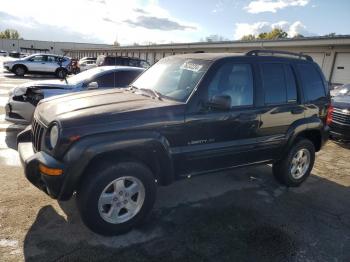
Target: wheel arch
[[151, 152], [18, 65], [314, 135]]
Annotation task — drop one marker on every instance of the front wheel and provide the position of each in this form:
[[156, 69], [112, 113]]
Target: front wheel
[[114, 199], [296, 166], [20, 70]]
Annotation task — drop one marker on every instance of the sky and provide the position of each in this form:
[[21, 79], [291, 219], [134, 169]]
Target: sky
[[170, 21]]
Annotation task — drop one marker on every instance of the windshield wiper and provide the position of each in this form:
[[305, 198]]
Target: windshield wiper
[[153, 92]]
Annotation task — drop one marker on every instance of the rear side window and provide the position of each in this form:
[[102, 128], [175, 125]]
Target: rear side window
[[279, 83], [124, 78], [312, 82]]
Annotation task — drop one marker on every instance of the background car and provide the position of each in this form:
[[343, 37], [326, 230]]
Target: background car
[[87, 58], [86, 64], [104, 60], [40, 63], [15, 54], [339, 118], [23, 99], [3, 53]]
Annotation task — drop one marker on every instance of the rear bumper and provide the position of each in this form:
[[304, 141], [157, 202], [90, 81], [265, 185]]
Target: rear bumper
[[30, 160]]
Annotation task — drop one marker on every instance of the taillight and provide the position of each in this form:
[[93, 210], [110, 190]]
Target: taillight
[[329, 115]]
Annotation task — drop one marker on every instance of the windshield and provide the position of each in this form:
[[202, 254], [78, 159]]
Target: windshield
[[83, 76], [173, 77]]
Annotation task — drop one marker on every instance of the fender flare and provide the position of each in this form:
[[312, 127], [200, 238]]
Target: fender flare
[[301, 126], [148, 144]]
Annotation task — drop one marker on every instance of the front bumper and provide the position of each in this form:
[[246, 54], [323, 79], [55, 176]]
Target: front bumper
[[19, 112], [30, 160]]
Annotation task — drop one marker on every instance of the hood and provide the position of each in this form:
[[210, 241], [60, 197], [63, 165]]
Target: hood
[[342, 102], [105, 107], [42, 84]]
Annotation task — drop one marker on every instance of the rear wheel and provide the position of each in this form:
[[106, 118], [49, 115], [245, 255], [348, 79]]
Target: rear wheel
[[296, 166], [114, 199], [20, 70]]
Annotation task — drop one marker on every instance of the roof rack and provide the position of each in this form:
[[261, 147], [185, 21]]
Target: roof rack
[[273, 52]]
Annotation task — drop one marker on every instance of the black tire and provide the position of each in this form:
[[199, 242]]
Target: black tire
[[61, 73], [95, 183], [20, 70], [282, 168]]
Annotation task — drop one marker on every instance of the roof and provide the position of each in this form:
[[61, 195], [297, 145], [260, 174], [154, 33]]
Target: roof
[[255, 54], [304, 41], [208, 56]]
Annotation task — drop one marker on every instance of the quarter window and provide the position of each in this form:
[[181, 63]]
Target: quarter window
[[234, 80], [312, 82]]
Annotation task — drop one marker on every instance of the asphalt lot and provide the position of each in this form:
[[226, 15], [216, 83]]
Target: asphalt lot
[[237, 215]]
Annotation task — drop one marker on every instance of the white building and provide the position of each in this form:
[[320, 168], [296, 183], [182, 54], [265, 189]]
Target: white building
[[35, 46], [331, 53]]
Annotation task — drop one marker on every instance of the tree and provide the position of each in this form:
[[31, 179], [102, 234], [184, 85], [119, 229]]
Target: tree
[[9, 34], [331, 35], [276, 33], [248, 37]]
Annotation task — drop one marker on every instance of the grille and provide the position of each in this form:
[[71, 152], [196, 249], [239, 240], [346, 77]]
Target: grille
[[341, 117], [37, 132]]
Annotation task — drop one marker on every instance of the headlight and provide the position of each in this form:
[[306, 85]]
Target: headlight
[[54, 133]]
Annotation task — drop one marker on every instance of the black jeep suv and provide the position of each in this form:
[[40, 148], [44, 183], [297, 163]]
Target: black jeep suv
[[186, 115]]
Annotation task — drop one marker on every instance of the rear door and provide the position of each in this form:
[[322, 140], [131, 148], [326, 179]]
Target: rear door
[[52, 63], [281, 107]]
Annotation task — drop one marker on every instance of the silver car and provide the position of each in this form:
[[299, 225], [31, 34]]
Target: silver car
[[24, 98], [40, 63]]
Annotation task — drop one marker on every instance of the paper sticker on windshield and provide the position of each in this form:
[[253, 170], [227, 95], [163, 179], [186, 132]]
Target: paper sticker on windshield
[[191, 66]]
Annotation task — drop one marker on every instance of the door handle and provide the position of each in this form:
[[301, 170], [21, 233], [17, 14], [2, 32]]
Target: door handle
[[296, 111], [43, 63]]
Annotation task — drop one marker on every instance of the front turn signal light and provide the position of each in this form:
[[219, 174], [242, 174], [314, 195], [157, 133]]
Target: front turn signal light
[[50, 171]]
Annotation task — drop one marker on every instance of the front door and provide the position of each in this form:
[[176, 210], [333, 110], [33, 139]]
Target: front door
[[38, 63], [222, 138]]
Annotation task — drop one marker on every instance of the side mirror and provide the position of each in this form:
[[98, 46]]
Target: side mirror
[[221, 102], [92, 85]]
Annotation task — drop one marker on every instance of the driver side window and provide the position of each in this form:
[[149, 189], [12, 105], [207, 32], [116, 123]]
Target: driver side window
[[103, 81], [234, 80], [38, 58]]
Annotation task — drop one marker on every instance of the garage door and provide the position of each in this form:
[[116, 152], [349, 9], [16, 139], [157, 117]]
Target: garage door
[[317, 57], [158, 57], [341, 70]]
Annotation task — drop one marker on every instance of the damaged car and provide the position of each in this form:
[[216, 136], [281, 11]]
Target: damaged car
[[24, 98]]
